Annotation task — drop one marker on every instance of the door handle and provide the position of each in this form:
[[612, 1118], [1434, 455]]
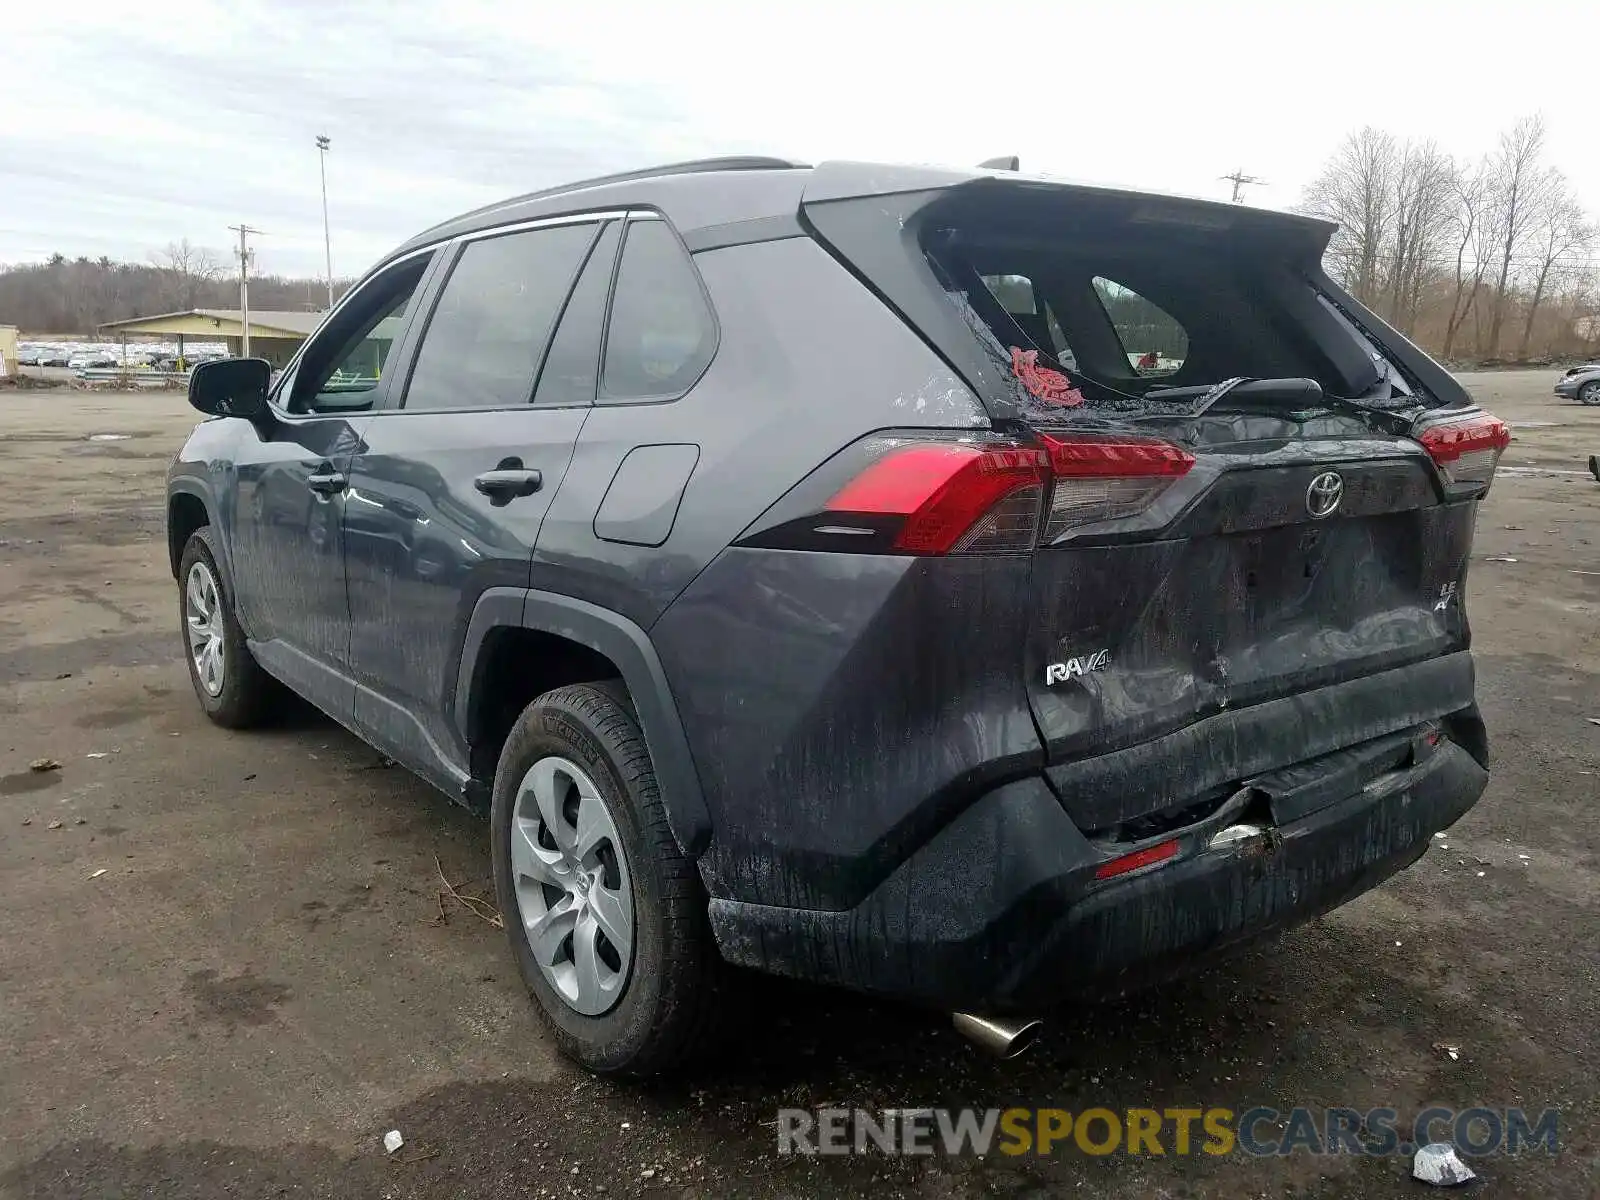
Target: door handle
[[505, 484], [326, 482]]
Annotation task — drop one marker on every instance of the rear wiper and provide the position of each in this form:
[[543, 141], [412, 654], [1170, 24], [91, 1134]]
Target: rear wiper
[[1218, 391], [1250, 392], [1287, 394]]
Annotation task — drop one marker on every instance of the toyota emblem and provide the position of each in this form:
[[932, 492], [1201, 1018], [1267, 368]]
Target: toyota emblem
[[1324, 494]]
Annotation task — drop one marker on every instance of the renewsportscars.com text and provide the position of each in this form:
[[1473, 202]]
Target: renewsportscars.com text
[[1213, 1131]]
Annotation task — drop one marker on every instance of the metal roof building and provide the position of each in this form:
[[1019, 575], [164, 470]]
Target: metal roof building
[[274, 336]]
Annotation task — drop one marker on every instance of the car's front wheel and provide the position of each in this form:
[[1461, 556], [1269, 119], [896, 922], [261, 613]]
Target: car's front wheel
[[606, 917], [230, 685], [1589, 393]]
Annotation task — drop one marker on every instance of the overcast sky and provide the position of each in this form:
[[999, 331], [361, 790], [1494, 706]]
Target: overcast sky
[[126, 127]]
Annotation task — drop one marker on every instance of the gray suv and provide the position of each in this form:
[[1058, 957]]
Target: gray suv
[[953, 585]]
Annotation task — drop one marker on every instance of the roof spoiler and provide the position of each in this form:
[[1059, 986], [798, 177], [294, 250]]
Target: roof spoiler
[[1006, 162]]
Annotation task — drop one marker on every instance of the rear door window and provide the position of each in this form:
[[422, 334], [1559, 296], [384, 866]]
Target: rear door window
[[489, 329], [1155, 344], [571, 369], [661, 334]]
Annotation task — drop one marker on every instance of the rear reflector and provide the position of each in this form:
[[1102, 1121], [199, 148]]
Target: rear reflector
[[955, 497], [1139, 858], [1108, 478], [1467, 450]]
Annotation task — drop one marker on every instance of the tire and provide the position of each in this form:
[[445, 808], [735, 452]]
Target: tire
[[1589, 393], [666, 998], [244, 695]]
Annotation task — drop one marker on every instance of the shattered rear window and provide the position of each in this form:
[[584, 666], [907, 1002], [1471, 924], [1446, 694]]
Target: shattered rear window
[[1099, 323]]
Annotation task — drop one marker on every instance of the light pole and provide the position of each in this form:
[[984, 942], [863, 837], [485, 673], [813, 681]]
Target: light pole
[[327, 242]]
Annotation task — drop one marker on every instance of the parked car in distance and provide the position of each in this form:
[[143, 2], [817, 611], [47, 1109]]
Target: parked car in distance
[[92, 359], [793, 565], [1580, 383]]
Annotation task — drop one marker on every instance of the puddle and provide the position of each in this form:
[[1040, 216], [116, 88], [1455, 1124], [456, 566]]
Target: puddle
[[110, 437], [1535, 471]]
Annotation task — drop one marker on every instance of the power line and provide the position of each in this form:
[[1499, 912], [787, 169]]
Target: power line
[[1239, 180], [247, 258]]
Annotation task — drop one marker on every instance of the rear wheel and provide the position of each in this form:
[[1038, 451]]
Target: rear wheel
[[230, 685], [1589, 393], [606, 918]]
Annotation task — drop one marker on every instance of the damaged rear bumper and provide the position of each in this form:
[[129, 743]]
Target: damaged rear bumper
[[1003, 910]]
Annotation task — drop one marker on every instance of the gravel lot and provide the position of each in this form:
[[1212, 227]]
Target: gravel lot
[[259, 984]]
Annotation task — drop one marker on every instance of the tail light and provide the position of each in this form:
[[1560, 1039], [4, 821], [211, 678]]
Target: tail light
[[953, 498], [1468, 449], [897, 495], [1106, 478]]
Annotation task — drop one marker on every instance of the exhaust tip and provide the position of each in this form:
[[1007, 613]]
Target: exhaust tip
[[1002, 1037]]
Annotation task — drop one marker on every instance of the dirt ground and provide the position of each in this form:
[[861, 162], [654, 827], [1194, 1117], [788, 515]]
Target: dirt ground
[[258, 985]]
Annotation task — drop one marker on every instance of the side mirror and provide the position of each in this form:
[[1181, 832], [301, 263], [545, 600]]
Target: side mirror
[[231, 387]]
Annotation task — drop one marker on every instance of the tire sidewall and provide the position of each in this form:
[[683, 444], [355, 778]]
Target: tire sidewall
[[611, 1040], [1589, 393]]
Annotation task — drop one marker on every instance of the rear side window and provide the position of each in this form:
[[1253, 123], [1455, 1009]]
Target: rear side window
[[572, 367], [489, 329], [1153, 341], [661, 335]]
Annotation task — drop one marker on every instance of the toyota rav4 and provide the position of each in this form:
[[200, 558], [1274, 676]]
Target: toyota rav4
[[954, 585]]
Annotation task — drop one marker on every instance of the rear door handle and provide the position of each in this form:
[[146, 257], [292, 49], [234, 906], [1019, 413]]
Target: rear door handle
[[326, 482], [505, 484]]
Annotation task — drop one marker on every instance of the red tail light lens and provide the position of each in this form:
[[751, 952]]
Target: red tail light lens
[[955, 498], [1106, 478], [1467, 450]]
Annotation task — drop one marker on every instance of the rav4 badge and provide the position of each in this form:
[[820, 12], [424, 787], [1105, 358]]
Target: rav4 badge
[[1062, 671]]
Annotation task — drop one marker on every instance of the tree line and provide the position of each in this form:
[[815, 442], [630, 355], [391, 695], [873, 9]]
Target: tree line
[[1485, 259], [76, 295]]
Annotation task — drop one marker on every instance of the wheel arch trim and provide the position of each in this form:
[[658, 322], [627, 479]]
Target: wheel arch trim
[[195, 489], [624, 644]]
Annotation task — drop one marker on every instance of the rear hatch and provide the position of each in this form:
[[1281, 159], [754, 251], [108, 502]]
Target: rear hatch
[[1256, 490]]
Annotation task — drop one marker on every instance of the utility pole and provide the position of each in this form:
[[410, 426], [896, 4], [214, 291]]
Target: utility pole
[[323, 143], [246, 259], [1239, 179]]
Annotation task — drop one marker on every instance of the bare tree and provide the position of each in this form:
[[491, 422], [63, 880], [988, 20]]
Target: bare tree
[[189, 268], [1472, 250], [1560, 238], [1356, 189], [1424, 191], [1517, 182]]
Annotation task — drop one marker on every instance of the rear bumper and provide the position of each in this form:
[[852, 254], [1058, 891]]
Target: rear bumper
[[1002, 911]]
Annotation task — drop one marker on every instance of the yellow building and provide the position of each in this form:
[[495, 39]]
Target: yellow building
[[8, 350], [274, 336]]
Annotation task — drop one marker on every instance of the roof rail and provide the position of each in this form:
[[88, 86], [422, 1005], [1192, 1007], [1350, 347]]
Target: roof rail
[[733, 162]]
